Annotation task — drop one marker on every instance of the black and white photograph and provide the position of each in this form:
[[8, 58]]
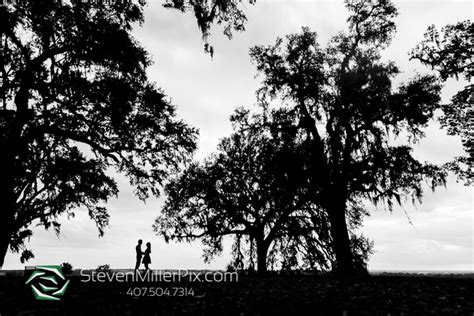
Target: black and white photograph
[[236, 157]]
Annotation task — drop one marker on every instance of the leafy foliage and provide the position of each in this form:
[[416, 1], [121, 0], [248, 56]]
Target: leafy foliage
[[450, 52], [77, 102]]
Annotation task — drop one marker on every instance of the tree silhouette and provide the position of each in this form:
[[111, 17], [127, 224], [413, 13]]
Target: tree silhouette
[[344, 98], [450, 52], [256, 188], [76, 102]]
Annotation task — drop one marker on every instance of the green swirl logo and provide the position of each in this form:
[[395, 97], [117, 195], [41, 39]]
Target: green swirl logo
[[48, 283]]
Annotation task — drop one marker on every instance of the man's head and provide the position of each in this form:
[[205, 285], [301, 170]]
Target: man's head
[[140, 241]]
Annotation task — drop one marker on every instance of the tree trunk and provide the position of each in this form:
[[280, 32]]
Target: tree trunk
[[4, 243], [7, 208], [6, 222], [12, 144], [261, 258], [262, 249], [341, 243]]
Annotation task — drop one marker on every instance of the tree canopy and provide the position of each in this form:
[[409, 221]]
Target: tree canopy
[[345, 101], [77, 102], [257, 188], [450, 52]]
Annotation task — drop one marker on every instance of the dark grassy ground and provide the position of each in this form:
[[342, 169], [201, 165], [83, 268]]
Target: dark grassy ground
[[251, 295]]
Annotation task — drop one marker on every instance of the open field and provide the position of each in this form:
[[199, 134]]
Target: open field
[[393, 294]]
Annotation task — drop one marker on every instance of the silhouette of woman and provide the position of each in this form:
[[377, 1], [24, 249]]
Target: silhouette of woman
[[146, 258]]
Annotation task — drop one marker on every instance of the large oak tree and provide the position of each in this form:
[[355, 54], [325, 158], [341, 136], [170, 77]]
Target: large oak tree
[[346, 102], [76, 102]]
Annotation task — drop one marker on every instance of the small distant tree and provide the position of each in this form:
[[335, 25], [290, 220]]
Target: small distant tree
[[255, 188], [66, 268], [103, 268], [450, 52], [345, 101]]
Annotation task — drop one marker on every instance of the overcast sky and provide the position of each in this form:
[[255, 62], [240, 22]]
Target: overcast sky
[[207, 91]]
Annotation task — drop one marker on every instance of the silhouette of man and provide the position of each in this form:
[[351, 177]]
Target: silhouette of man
[[138, 249]]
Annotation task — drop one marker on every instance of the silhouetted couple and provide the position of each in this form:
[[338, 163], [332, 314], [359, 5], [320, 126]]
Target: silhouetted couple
[[146, 255]]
